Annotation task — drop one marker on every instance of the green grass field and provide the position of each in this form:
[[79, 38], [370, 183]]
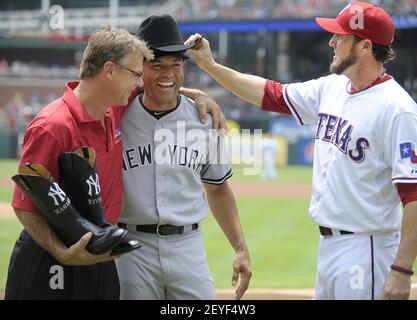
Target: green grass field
[[7, 169], [286, 174], [281, 238]]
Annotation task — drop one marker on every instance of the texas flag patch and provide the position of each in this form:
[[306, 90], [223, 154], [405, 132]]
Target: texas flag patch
[[407, 151]]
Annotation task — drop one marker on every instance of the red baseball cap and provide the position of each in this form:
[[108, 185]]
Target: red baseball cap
[[363, 20]]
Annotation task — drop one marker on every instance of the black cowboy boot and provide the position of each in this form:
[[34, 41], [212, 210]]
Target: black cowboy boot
[[57, 208], [81, 183]]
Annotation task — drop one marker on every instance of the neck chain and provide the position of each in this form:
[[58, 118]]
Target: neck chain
[[374, 82]]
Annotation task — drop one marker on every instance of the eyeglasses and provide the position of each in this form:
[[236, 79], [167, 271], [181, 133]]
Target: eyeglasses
[[138, 74]]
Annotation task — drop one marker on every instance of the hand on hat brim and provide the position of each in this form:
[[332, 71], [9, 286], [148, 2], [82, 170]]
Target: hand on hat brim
[[196, 43], [173, 48]]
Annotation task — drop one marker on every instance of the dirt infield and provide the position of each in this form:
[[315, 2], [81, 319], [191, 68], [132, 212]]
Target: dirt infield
[[273, 294], [272, 189], [268, 294], [6, 210], [6, 183], [286, 294], [259, 294]]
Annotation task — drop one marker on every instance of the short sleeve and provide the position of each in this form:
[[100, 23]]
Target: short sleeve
[[218, 169], [303, 100], [401, 148], [39, 146]]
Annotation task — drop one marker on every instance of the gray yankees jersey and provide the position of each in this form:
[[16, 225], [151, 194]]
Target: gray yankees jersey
[[165, 162]]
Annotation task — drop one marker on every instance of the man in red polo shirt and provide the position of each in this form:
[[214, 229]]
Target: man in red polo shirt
[[41, 266]]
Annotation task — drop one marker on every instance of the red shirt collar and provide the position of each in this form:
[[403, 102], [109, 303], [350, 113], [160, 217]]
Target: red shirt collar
[[381, 78], [77, 110], [79, 113]]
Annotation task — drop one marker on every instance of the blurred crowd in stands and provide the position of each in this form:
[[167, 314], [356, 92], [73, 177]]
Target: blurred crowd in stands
[[271, 9], [186, 10], [20, 110], [35, 70], [232, 106]]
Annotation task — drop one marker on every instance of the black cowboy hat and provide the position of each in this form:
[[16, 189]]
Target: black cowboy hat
[[162, 34]]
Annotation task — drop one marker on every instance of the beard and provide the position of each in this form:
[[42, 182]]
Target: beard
[[344, 64]]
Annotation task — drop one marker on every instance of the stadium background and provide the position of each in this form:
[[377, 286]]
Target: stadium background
[[276, 39]]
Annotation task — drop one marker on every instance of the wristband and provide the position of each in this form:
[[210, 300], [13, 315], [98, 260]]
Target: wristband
[[402, 270]]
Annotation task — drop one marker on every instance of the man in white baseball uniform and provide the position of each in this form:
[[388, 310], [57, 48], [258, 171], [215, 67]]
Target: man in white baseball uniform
[[365, 161], [269, 154], [170, 158]]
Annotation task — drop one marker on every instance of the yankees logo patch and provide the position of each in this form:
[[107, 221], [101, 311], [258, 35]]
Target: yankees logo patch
[[407, 151], [60, 198], [93, 183], [56, 193]]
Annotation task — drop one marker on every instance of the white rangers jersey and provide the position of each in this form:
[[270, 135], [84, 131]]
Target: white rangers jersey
[[366, 142]]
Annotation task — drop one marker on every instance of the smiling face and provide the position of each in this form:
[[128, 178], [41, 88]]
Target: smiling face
[[162, 79], [344, 53]]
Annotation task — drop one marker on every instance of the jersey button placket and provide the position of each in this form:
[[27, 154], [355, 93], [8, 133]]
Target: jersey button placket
[[160, 183], [325, 170]]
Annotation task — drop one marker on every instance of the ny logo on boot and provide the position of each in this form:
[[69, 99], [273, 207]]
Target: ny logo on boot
[[56, 193], [93, 184]]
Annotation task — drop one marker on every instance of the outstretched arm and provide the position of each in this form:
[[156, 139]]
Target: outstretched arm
[[248, 87], [223, 205]]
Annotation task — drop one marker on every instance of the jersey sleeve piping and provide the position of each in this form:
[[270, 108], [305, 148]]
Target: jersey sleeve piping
[[219, 181], [404, 180], [294, 112]]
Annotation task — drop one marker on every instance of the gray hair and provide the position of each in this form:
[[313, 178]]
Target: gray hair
[[107, 44]]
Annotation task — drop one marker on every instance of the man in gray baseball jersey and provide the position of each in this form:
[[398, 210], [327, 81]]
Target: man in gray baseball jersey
[[170, 158]]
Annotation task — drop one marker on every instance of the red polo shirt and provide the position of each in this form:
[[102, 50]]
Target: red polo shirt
[[64, 125]]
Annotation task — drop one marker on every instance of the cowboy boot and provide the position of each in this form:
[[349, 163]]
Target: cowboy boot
[[57, 208], [81, 183]]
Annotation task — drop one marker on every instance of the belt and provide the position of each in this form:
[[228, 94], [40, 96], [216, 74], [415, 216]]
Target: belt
[[162, 230], [324, 231]]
